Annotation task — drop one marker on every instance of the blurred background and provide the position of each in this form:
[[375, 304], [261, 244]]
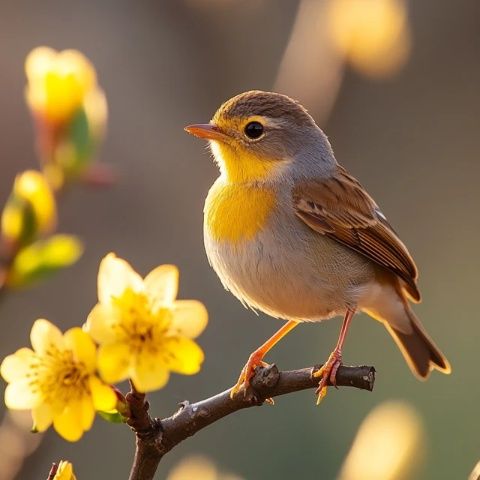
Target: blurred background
[[394, 85]]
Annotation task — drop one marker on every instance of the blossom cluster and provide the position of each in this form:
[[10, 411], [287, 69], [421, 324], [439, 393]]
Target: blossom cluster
[[69, 110], [138, 330]]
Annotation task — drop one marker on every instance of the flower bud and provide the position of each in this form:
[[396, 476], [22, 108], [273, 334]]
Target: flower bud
[[30, 210], [64, 471], [57, 82], [69, 109]]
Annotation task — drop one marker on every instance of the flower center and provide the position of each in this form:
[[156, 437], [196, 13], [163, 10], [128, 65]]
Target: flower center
[[139, 324], [58, 377]]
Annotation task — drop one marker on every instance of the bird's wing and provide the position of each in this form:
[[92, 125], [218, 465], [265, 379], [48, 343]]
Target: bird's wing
[[341, 209]]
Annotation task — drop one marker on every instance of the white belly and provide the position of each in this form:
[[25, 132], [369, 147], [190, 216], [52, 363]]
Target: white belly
[[289, 271]]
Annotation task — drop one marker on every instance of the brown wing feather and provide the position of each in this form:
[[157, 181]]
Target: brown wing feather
[[340, 208]]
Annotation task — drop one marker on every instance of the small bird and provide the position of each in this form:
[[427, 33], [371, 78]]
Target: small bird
[[291, 233]]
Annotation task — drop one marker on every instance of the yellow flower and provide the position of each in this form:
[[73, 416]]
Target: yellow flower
[[56, 380], [64, 471], [143, 332], [58, 82], [30, 210]]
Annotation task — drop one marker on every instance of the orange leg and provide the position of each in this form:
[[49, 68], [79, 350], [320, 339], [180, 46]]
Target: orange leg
[[256, 358], [329, 369]]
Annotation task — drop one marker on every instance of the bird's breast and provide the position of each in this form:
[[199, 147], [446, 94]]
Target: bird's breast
[[273, 262], [237, 212]]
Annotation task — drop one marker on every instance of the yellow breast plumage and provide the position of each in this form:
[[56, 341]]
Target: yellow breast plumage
[[235, 212]]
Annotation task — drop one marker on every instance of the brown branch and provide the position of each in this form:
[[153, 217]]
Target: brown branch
[[155, 437], [52, 472]]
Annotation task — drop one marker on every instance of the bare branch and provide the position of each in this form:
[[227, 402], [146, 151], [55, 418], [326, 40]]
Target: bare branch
[[157, 437], [52, 472]]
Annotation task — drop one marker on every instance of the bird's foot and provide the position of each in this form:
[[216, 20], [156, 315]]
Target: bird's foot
[[328, 372], [255, 360]]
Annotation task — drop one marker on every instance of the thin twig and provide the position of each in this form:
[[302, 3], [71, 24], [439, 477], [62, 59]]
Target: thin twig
[[53, 471], [157, 437]]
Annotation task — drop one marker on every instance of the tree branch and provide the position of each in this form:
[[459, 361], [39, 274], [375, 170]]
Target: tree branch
[[53, 471], [155, 438]]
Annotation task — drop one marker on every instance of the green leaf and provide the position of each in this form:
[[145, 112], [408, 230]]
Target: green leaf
[[112, 416], [80, 138], [43, 258]]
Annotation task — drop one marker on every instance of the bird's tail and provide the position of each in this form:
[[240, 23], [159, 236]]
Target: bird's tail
[[421, 354]]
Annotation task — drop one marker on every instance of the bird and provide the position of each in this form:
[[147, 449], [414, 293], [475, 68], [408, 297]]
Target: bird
[[291, 233]]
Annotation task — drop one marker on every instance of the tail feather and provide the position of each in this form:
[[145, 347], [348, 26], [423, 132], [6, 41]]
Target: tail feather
[[421, 354]]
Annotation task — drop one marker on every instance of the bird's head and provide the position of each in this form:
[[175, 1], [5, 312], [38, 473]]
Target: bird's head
[[257, 135]]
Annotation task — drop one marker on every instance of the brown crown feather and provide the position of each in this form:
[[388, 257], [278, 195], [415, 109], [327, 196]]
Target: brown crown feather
[[267, 104]]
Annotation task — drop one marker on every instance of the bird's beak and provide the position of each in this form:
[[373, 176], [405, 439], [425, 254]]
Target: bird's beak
[[207, 131]]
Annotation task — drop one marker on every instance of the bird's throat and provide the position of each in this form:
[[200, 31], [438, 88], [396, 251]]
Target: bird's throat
[[241, 166]]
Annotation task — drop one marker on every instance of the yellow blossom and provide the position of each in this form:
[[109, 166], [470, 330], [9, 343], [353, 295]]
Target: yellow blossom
[[30, 210], [143, 331], [58, 82], [64, 471], [57, 381]]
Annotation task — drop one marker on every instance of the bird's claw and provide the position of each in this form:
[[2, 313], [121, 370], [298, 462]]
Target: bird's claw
[[243, 382], [328, 373]]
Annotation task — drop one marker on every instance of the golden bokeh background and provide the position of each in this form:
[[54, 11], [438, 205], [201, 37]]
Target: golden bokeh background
[[395, 86]]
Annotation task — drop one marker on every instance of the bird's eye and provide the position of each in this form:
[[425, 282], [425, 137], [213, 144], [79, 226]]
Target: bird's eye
[[253, 130]]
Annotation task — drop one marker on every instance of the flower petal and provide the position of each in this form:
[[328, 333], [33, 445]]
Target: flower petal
[[189, 319], [19, 395], [42, 417], [64, 471], [161, 285], [38, 62], [45, 335], [82, 346], [115, 275], [182, 355], [68, 423], [88, 412], [103, 396], [114, 362], [99, 323], [17, 366], [149, 372]]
